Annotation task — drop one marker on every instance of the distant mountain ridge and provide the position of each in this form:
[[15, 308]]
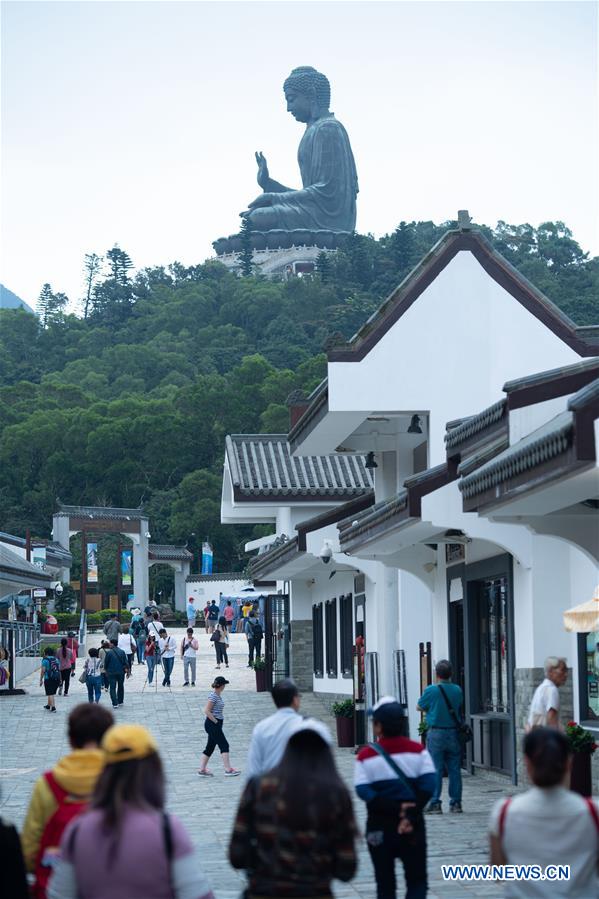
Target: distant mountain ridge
[[9, 300]]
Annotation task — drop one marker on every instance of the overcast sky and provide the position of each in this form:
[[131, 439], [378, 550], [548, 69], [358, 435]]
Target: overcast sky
[[136, 123]]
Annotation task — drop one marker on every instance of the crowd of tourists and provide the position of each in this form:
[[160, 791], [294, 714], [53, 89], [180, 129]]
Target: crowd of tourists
[[147, 642], [101, 808]]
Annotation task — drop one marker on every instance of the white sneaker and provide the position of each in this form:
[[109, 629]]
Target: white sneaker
[[232, 772]]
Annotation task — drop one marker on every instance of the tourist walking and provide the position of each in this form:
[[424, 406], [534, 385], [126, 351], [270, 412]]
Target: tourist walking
[[229, 615], [294, 831], [61, 794], [116, 665], [254, 634], [112, 628], [212, 616], [189, 651], [152, 656], [395, 776], [92, 670], [127, 643], [138, 629], [154, 626], [544, 708], [547, 825], [104, 647], [270, 736], [220, 638], [50, 677], [191, 612], [65, 660], [168, 650], [126, 846], [73, 644], [443, 703], [213, 725]]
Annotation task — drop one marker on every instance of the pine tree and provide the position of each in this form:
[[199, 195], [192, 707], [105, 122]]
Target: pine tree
[[44, 301], [246, 256], [92, 267], [324, 267], [112, 300]]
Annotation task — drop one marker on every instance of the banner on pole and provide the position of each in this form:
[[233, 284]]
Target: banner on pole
[[38, 556], [92, 563], [126, 567], [206, 558]]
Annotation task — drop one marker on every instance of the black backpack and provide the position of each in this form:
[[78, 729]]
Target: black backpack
[[257, 632]]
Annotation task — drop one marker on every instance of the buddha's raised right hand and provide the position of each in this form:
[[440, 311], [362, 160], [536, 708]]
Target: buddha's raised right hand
[[263, 176]]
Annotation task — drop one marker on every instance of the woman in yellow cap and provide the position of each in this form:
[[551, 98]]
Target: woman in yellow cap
[[106, 851]]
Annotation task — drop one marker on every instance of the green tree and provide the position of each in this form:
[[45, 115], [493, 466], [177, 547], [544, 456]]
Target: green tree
[[246, 257], [92, 268]]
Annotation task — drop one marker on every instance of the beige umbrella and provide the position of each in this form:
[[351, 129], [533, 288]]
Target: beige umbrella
[[584, 618]]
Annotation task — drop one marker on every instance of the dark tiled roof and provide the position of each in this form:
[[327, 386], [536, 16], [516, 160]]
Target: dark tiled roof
[[265, 562], [475, 424], [166, 551], [584, 397], [102, 512], [355, 525], [218, 576], [542, 377], [542, 445], [262, 465], [12, 563]]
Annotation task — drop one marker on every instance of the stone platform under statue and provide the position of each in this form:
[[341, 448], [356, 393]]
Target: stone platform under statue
[[276, 251]]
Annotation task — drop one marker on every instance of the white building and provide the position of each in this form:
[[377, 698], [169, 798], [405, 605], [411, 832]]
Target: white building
[[484, 585]]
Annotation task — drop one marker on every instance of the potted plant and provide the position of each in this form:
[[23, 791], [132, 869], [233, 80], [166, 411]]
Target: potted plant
[[259, 666], [422, 730], [344, 717], [582, 746]]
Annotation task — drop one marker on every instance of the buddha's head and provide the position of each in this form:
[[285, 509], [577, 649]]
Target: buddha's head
[[308, 94]]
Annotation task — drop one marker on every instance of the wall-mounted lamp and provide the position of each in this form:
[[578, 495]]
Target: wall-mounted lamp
[[370, 461], [415, 425]]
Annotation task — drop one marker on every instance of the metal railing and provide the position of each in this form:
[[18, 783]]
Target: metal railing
[[19, 639]]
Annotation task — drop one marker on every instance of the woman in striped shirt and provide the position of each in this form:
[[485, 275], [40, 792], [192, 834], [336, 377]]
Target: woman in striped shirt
[[213, 726]]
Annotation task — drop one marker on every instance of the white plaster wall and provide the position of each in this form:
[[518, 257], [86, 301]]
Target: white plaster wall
[[209, 590], [450, 353], [415, 626], [526, 420]]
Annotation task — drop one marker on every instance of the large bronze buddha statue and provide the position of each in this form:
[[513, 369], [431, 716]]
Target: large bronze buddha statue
[[327, 199]]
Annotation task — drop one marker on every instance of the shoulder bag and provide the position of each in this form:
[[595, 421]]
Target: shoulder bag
[[464, 730], [396, 769]]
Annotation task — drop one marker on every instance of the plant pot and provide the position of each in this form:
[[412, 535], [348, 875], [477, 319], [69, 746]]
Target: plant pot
[[345, 732], [580, 775], [261, 681]]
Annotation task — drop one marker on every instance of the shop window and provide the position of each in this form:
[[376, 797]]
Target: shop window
[[590, 669], [331, 635], [493, 641], [317, 636], [346, 631]]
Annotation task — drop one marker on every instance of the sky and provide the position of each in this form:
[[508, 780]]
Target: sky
[[136, 123]]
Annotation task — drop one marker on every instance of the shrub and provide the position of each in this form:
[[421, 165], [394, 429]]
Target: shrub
[[343, 709], [259, 665], [579, 739]]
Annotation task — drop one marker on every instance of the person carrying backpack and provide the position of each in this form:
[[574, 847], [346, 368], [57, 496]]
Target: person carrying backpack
[[138, 629], [254, 634], [116, 666], [61, 794], [50, 677], [395, 777], [127, 846]]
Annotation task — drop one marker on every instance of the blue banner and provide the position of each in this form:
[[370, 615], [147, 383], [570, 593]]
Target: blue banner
[[206, 558]]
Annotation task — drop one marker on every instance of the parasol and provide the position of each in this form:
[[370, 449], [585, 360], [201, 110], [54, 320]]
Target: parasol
[[584, 618]]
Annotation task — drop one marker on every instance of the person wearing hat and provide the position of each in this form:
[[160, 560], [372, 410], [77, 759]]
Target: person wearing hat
[[395, 777], [106, 851], [213, 725], [300, 817]]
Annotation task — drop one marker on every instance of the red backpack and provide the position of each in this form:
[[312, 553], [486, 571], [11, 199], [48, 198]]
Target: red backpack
[[69, 807]]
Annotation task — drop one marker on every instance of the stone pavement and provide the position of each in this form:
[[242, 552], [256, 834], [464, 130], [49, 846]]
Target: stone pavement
[[32, 740]]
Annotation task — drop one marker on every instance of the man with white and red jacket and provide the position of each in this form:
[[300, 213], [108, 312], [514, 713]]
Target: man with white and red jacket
[[395, 777]]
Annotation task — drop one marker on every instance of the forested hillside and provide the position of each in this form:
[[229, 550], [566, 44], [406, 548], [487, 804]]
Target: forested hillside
[[128, 402]]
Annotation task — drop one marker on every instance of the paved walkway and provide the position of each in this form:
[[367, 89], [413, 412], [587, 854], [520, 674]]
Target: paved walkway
[[33, 739]]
